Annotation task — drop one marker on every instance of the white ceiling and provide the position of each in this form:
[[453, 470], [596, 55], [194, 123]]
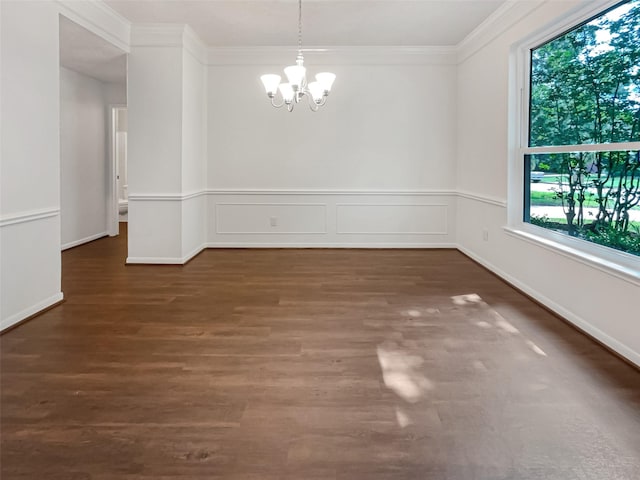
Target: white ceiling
[[227, 23], [85, 52]]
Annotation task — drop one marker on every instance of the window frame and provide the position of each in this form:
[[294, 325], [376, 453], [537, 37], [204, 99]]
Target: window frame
[[620, 264]]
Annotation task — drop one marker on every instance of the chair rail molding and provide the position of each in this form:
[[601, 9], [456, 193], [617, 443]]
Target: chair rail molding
[[23, 217]]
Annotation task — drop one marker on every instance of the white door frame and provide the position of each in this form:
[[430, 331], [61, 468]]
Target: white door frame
[[113, 210]]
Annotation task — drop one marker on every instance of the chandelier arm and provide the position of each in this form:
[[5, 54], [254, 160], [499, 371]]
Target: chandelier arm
[[313, 105], [274, 104]]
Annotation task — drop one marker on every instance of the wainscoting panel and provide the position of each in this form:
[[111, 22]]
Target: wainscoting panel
[[367, 219], [332, 219], [29, 264], [271, 218], [155, 230]]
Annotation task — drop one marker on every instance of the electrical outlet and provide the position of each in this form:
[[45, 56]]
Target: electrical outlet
[[273, 221], [485, 234]]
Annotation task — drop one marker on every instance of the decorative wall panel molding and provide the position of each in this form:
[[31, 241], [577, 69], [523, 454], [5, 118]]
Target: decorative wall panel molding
[[331, 218], [391, 219], [483, 198], [271, 218]]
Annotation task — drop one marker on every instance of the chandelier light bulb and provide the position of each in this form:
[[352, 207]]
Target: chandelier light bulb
[[270, 82], [286, 90], [297, 87], [326, 79], [295, 74], [317, 92]]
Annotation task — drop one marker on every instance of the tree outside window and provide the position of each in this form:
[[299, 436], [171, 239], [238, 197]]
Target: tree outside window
[[583, 161]]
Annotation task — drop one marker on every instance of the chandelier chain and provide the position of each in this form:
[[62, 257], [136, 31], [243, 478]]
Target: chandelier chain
[[300, 26]]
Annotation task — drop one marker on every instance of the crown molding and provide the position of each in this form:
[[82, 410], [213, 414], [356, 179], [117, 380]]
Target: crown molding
[[157, 34], [169, 35], [505, 16], [194, 45], [100, 19], [335, 55]]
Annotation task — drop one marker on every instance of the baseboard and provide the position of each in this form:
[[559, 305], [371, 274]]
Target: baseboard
[[327, 245], [597, 334], [29, 312], [88, 239], [189, 256], [166, 260], [154, 260]]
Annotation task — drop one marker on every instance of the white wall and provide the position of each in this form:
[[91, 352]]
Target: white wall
[[166, 160], [29, 164], [385, 142], [194, 145], [84, 167], [570, 287], [384, 127], [115, 94], [155, 151]]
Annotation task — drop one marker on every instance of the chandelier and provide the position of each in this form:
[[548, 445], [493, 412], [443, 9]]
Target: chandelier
[[297, 86]]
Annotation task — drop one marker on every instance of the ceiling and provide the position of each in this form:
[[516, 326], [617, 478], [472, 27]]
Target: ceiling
[[85, 52], [226, 23]]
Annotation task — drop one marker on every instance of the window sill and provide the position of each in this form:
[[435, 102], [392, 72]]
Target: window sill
[[618, 264]]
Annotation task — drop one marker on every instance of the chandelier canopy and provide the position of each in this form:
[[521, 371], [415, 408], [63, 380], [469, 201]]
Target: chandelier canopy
[[297, 86]]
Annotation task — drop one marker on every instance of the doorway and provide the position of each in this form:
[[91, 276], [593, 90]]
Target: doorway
[[118, 142], [93, 75]]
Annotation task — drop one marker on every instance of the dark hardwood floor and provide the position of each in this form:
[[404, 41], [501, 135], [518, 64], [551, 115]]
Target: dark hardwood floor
[[308, 364]]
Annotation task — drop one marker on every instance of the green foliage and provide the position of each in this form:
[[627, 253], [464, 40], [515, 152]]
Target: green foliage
[[554, 199], [585, 84], [628, 242], [541, 221], [625, 241]]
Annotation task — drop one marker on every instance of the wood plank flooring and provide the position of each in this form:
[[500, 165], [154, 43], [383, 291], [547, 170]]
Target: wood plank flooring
[[308, 364]]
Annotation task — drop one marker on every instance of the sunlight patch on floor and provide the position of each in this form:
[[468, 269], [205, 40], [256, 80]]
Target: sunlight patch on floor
[[536, 348], [476, 304], [403, 418], [400, 372]]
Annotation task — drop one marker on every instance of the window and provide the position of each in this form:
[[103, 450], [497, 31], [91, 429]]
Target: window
[[581, 131]]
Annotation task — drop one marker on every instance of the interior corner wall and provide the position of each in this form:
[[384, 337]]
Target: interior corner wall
[[567, 286], [115, 93], [374, 167], [29, 161], [194, 147], [84, 166]]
